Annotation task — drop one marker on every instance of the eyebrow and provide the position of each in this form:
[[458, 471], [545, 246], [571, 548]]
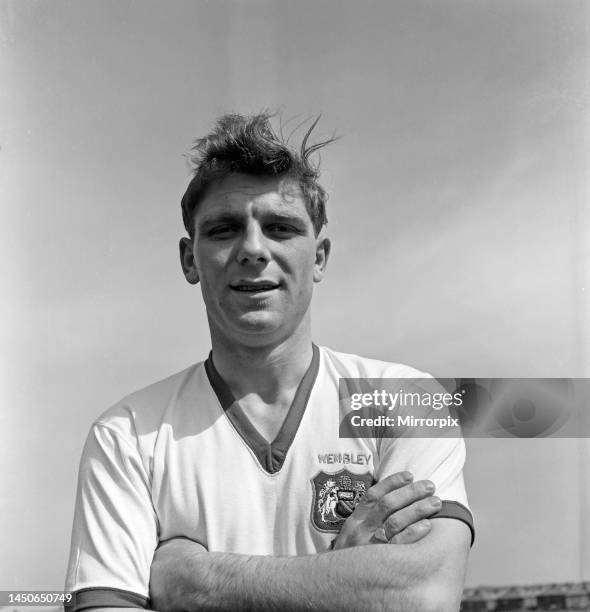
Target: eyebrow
[[233, 217], [287, 217]]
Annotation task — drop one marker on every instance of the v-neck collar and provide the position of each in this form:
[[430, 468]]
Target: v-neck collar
[[271, 456]]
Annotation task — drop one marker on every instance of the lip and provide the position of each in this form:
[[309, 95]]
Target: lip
[[254, 287]]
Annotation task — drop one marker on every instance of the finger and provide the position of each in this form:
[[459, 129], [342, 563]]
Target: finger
[[391, 483], [376, 511], [404, 518], [413, 533]]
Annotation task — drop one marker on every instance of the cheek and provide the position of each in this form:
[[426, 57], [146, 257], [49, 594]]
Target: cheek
[[302, 261], [304, 273], [212, 282], [210, 264]]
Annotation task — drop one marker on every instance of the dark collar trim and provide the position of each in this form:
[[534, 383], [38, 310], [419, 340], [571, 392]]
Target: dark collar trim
[[270, 456]]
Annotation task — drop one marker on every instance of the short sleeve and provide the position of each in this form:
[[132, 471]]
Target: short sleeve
[[438, 459], [115, 530]]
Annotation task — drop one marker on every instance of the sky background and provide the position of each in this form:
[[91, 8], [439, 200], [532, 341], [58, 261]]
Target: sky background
[[458, 211]]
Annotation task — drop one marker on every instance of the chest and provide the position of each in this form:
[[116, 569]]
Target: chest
[[214, 488]]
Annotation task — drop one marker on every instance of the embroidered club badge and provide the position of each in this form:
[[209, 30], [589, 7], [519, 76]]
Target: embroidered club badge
[[335, 496]]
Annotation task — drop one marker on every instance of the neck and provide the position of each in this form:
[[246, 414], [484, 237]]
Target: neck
[[266, 370]]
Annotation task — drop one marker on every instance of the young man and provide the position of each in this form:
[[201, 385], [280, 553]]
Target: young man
[[227, 486]]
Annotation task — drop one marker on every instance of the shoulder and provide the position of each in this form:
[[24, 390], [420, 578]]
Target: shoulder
[[348, 365], [142, 412]]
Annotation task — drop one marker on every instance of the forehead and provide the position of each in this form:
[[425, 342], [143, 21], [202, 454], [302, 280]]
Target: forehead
[[241, 194]]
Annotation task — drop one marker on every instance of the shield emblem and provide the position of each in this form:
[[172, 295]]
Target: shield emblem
[[335, 496]]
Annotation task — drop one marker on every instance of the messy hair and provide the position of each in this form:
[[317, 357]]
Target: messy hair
[[249, 145]]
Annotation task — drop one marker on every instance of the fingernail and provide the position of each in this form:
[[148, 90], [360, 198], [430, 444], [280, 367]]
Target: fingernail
[[435, 502], [407, 476], [429, 485]]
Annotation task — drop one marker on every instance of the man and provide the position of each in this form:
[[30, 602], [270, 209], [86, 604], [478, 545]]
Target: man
[[227, 486]]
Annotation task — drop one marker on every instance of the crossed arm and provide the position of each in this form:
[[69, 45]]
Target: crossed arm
[[421, 567]]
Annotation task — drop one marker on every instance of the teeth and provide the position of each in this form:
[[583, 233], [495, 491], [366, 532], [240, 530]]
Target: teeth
[[254, 287]]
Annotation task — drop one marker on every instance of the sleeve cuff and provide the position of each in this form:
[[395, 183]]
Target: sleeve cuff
[[455, 510], [99, 597]]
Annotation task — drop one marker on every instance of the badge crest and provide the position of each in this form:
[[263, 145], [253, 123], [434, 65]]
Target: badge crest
[[335, 496]]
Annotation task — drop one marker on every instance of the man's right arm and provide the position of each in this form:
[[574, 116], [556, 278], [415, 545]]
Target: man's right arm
[[420, 577]]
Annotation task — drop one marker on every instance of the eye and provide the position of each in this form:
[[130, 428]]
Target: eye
[[220, 232], [282, 229]]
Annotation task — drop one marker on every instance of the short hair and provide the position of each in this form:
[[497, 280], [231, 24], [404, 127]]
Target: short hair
[[249, 145]]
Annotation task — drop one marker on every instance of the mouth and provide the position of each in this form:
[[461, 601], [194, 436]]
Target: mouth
[[254, 286]]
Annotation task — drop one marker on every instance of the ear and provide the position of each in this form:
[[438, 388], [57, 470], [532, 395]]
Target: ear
[[187, 261], [322, 252]]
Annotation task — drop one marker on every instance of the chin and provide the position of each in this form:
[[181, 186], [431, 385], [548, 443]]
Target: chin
[[261, 331], [259, 323]]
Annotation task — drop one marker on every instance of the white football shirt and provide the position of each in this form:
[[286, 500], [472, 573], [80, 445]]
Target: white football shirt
[[180, 458]]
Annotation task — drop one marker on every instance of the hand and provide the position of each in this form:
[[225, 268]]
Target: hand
[[393, 510], [165, 588]]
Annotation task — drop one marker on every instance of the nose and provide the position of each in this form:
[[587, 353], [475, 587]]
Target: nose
[[253, 248]]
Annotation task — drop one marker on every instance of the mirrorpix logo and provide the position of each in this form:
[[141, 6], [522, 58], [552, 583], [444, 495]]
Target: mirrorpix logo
[[516, 407]]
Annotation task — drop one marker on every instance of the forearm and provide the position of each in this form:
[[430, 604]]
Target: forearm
[[363, 578], [351, 579]]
